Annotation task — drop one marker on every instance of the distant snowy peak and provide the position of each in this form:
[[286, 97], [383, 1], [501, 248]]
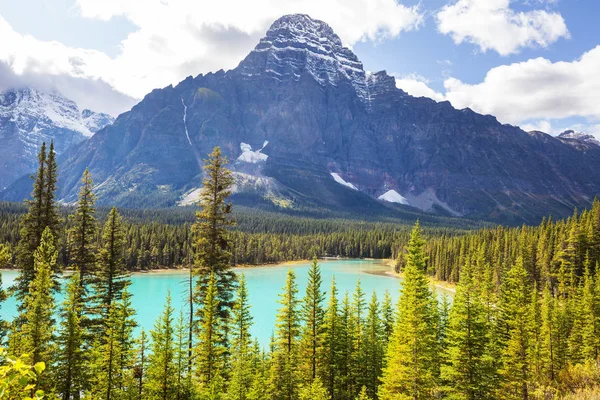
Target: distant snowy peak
[[295, 44], [95, 121], [391, 196], [34, 111], [579, 136]]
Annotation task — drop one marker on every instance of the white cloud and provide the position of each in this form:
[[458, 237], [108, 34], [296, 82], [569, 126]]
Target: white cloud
[[80, 74], [534, 89], [417, 86], [178, 38], [541, 125], [494, 25]]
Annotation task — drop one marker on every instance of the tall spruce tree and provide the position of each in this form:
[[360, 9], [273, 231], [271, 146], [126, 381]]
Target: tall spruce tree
[[372, 348], [312, 315], [358, 332], [38, 322], [516, 338], [211, 353], [212, 242], [331, 344], [468, 366], [71, 371], [411, 366], [42, 214], [161, 362], [82, 236], [111, 278], [242, 372], [284, 382]]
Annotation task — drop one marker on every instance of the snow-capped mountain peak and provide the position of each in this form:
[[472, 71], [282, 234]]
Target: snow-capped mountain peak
[[29, 117], [297, 43], [27, 106], [579, 136]]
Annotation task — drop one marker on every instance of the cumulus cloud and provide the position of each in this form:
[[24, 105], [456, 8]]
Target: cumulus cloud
[[530, 94], [494, 25], [177, 38], [534, 89], [417, 86]]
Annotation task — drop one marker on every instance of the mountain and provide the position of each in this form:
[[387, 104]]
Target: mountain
[[305, 125], [571, 136], [29, 117]]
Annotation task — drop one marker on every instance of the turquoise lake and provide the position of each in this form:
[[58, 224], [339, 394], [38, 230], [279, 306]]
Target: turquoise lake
[[264, 285]]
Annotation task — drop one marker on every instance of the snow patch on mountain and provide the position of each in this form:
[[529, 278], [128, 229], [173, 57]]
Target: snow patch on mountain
[[190, 197], [250, 156], [391, 196], [341, 181]]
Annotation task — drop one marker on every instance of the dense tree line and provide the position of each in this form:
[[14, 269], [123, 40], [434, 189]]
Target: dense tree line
[[259, 238], [523, 324]]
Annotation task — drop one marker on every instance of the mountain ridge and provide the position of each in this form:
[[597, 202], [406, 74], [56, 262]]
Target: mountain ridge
[[29, 117], [299, 108]]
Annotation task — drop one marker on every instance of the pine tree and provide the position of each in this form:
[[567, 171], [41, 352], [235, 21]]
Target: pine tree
[[51, 214], [312, 314], [589, 316], [125, 326], [331, 343], [313, 391], [516, 320], [38, 327], [212, 242], [363, 394], [357, 334], [284, 381], [346, 350], [142, 364], [210, 352], [468, 367], [411, 366], [372, 349], [71, 360], [161, 362], [184, 383], [242, 352], [105, 355], [547, 338], [82, 236], [39, 216], [111, 278], [387, 316]]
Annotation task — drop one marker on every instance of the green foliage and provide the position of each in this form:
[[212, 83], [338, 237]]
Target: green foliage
[[71, 360], [312, 316], [161, 363], [18, 379], [212, 243], [284, 382], [411, 367]]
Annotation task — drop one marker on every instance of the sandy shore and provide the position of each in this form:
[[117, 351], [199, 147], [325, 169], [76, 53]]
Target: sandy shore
[[442, 285]]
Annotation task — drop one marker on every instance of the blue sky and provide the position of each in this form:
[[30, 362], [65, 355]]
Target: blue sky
[[531, 63]]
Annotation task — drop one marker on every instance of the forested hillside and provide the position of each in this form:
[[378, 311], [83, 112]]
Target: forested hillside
[[524, 322]]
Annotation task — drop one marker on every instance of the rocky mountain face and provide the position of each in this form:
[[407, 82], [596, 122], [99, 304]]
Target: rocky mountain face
[[303, 123], [28, 118], [571, 136]]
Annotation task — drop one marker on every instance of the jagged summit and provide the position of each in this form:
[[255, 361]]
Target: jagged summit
[[297, 44], [29, 117], [579, 136]]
